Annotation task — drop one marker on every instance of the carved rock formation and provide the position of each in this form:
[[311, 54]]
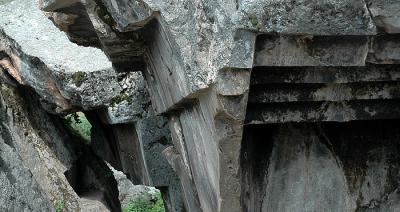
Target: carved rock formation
[[256, 105]]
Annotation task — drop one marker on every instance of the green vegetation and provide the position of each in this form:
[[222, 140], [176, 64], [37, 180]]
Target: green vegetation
[[4, 1], [78, 124], [78, 78], [60, 206], [146, 203], [120, 98], [253, 20]]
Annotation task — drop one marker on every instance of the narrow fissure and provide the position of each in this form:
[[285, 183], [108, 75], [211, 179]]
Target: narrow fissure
[[90, 177]]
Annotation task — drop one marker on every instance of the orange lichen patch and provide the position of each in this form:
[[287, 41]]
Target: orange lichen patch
[[13, 71], [13, 67], [16, 60], [59, 100]]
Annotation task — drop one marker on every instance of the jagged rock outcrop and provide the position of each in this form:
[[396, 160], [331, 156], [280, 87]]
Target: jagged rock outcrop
[[36, 152], [19, 188], [129, 192], [62, 73]]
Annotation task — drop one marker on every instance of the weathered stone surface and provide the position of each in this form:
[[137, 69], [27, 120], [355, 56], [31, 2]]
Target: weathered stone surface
[[212, 29], [207, 138], [348, 17], [386, 14], [61, 72], [129, 15], [34, 156], [190, 196], [136, 149], [330, 167], [324, 75], [301, 169], [325, 92], [342, 111], [154, 136], [133, 102], [36, 152], [125, 50], [385, 50], [196, 58], [129, 192], [310, 51], [313, 94], [19, 189], [231, 47], [74, 21]]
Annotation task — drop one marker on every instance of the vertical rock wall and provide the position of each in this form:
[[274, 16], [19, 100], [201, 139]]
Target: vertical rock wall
[[325, 167]]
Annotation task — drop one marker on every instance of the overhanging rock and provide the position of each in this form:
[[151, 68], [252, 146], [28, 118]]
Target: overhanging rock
[[64, 74], [223, 69]]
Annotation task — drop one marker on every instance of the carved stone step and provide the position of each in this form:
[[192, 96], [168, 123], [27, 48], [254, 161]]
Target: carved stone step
[[267, 75], [322, 111], [324, 92]]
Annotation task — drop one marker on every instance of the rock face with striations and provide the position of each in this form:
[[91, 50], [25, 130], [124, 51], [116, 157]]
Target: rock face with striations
[[268, 105]]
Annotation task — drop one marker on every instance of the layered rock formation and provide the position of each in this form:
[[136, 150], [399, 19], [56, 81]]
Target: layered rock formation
[[268, 105]]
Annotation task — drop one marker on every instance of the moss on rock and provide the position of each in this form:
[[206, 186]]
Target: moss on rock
[[78, 78]]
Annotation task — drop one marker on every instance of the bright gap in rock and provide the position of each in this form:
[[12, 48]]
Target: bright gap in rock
[[78, 124], [135, 198]]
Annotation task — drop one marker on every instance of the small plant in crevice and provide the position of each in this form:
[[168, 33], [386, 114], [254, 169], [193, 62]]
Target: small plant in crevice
[[146, 203], [60, 206], [253, 20], [78, 78], [78, 124], [120, 98]]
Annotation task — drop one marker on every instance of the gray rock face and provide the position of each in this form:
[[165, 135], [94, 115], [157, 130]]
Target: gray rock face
[[319, 170], [63, 73], [133, 102], [136, 149], [212, 29], [137, 14], [36, 151], [385, 50], [310, 51], [41, 163], [154, 137], [19, 190], [129, 192], [214, 66], [231, 77], [33, 157], [386, 14], [308, 17]]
